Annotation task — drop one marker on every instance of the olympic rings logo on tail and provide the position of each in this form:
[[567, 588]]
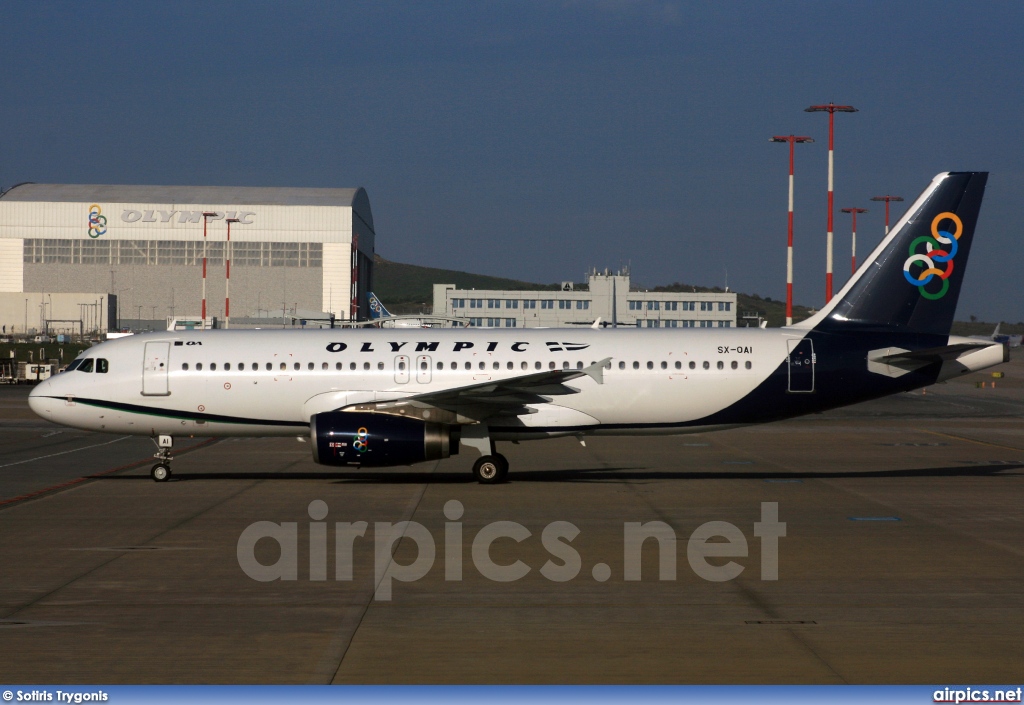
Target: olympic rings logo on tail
[[97, 221], [360, 441], [940, 248]]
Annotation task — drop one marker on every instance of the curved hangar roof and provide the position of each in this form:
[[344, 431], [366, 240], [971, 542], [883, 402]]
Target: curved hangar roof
[[354, 198]]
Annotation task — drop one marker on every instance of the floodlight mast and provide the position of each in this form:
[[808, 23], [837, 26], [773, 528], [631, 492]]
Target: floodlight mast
[[206, 217], [887, 200], [831, 109], [853, 247], [793, 140]]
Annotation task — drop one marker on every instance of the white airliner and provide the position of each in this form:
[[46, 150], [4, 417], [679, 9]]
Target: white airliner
[[390, 397]]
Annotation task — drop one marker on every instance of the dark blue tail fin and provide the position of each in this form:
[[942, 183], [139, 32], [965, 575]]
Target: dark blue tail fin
[[377, 309], [911, 282]]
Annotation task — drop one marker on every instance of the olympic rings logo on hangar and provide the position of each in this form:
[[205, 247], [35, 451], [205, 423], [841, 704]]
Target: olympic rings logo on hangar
[[97, 221], [940, 248]]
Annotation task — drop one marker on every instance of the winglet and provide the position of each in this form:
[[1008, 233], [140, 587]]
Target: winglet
[[597, 323], [596, 371]]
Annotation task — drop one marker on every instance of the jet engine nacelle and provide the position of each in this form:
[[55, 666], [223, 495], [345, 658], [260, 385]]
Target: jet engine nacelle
[[378, 440]]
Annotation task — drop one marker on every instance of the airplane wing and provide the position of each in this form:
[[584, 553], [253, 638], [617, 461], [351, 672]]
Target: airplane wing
[[478, 402]]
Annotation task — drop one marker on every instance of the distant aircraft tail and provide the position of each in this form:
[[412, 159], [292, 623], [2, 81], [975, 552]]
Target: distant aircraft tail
[[911, 282], [377, 309]]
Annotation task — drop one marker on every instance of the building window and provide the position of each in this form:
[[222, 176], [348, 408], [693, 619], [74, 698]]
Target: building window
[[563, 304], [511, 303], [476, 303], [653, 324], [636, 305], [725, 324], [547, 303], [689, 305], [584, 305], [706, 305], [653, 305], [510, 323], [671, 324], [706, 324], [478, 322], [493, 303], [724, 305], [639, 323], [671, 305], [458, 303], [493, 322]]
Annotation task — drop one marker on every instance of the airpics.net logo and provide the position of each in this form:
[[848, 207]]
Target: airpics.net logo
[[710, 549]]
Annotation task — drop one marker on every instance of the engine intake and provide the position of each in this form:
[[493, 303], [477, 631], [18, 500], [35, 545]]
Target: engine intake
[[378, 440]]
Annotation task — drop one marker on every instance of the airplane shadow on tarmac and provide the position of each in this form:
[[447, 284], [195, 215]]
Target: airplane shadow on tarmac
[[614, 474]]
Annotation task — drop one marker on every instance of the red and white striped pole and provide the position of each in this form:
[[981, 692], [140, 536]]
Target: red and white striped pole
[[206, 216], [887, 200], [831, 109], [792, 140], [227, 276], [853, 258]]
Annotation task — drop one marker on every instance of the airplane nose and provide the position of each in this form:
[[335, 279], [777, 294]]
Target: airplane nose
[[39, 399]]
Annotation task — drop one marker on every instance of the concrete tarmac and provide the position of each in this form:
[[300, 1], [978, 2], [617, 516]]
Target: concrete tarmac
[[903, 559]]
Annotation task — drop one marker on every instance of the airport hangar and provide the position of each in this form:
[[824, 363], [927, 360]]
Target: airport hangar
[[132, 256]]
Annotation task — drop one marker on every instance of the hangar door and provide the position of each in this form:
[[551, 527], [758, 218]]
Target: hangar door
[[154, 369]]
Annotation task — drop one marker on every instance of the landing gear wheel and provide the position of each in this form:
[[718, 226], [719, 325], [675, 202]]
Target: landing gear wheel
[[491, 469], [160, 472]]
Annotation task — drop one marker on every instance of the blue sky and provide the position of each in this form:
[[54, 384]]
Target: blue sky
[[538, 139]]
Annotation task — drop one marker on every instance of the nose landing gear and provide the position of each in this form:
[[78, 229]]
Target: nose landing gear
[[161, 472]]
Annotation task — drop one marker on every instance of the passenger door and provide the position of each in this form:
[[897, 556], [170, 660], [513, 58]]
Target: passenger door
[[402, 369], [155, 368], [801, 366]]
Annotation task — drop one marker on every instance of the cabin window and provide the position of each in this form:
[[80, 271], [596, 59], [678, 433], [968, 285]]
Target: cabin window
[[551, 365], [524, 366], [579, 365], [440, 366], [536, 365], [706, 365], [213, 365], [636, 365], [693, 365], [184, 366], [735, 364], [296, 366], [679, 365], [721, 365], [284, 366], [510, 366], [483, 365], [199, 367], [380, 365], [650, 365], [565, 365], [664, 365], [227, 366], [323, 366], [310, 366], [241, 367], [424, 365], [747, 364], [496, 365], [337, 366], [622, 365], [352, 366], [270, 366], [401, 367], [366, 366]]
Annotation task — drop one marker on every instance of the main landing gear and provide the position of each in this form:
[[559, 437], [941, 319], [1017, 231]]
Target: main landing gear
[[492, 467], [161, 472]]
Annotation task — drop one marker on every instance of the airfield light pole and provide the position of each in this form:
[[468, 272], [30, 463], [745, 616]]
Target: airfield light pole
[[831, 109], [853, 248], [887, 200], [206, 217], [793, 140], [227, 275]]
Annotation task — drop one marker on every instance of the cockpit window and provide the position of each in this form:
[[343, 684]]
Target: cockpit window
[[86, 365], [101, 365], [74, 365]]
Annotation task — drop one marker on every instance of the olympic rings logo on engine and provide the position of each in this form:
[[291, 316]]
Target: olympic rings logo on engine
[[940, 249], [97, 221], [360, 440]]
